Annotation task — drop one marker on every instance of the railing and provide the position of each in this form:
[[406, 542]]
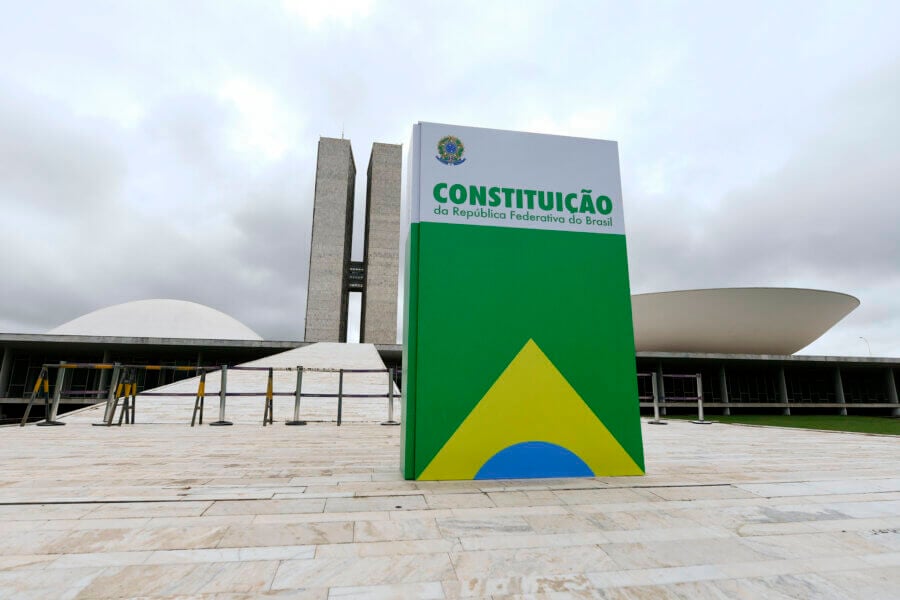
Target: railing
[[298, 394], [123, 387], [659, 401], [658, 396]]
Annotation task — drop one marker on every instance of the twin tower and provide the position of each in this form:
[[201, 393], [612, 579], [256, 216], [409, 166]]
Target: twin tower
[[332, 273]]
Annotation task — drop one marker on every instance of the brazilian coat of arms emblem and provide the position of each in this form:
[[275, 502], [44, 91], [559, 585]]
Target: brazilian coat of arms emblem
[[450, 150]]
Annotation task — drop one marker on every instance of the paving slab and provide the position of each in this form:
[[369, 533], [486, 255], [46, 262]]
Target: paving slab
[[160, 509]]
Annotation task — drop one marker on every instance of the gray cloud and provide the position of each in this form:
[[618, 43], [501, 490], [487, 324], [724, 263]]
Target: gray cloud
[[152, 151], [52, 164], [830, 213]]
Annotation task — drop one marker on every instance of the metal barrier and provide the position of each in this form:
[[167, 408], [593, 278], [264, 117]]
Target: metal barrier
[[198, 401], [41, 387], [654, 397], [340, 393], [123, 388], [126, 390], [297, 394], [659, 396]]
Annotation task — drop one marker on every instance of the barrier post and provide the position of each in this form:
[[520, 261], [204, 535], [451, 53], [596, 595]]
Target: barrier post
[[50, 416], [110, 397], [268, 409], [41, 382], [656, 420], [297, 393], [134, 398], [115, 402], [390, 419], [198, 402], [222, 394], [126, 396], [340, 395], [700, 420]]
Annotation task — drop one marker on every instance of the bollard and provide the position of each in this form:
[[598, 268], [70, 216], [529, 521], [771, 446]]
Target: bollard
[[390, 419], [700, 420], [656, 420], [340, 395], [50, 419], [297, 393], [222, 394], [198, 402]]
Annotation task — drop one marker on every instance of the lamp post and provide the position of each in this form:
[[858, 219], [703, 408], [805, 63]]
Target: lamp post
[[867, 344]]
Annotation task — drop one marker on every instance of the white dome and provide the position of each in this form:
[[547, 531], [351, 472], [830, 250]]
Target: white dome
[[158, 319]]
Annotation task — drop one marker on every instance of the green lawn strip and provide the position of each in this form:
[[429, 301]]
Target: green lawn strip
[[856, 424]]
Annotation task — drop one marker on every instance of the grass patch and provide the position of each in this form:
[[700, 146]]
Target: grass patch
[[856, 424]]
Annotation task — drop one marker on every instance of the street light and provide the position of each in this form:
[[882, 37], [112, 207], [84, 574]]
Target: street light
[[867, 344]]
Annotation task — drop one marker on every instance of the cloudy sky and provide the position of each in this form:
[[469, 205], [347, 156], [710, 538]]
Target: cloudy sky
[[167, 149]]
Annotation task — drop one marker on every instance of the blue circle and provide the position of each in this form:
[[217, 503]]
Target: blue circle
[[529, 460], [450, 148]]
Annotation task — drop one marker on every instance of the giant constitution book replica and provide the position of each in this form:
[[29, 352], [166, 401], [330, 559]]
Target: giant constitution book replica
[[518, 340]]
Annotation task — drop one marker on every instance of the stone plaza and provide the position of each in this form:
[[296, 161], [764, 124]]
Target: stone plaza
[[159, 509]]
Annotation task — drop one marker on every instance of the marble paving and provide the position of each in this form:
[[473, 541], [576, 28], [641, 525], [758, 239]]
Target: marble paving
[[163, 510]]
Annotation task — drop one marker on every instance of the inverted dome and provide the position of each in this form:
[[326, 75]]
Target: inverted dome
[[736, 320], [158, 319]]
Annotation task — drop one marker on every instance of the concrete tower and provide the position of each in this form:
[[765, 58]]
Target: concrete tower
[[332, 275], [329, 257], [378, 322]]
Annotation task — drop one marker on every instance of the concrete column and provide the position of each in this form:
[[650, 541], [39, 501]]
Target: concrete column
[[723, 390], [782, 391], [892, 391], [662, 389], [104, 373], [839, 391], [5, 368]]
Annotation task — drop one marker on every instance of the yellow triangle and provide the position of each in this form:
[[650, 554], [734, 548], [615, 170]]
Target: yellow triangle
[[530, 401]]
